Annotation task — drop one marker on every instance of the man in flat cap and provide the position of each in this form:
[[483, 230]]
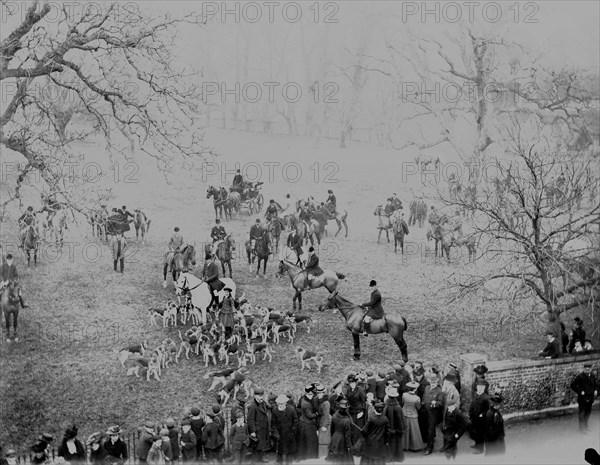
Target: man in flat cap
[[284, 428], [586, 387], [258, 425], [145, 442]]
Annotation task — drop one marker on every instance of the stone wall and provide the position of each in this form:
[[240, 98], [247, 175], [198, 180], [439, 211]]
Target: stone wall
[[527, 386]]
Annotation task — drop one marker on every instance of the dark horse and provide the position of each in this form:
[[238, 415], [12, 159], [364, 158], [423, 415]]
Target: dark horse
[[354, 314], [400, 229], [9, 303], [224, 253], [263, 250], [275, 228], [183, 260], [218, 202], [31, 244], [329, 280]]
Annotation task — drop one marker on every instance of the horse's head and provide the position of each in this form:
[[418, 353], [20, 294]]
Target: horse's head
[[189, 254], [230, 242], [331, 302], [377, 210], [210, 191], [182, 286], [281, 269]]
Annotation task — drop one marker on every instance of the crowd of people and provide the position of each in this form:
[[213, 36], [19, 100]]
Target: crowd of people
[[378, 416]]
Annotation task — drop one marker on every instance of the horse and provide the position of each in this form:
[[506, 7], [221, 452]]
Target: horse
[[261, 251], [442, 237], [224, 252], [9, 304], [141, 223], [391, 323], [323, 218], [470, 241], [400, 230], [385, 223], [98, 220], [329, 280], [232, 201], [217, 201], [308, 231], [31, 243], [56, 226], [183, 260], [275, 228], [200, 292], [421, 212], [288, 253]]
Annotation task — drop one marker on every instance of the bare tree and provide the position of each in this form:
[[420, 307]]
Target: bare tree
[[118, 65]]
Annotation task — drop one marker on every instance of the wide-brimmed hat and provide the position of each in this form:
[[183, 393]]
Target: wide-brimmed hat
[[38, 446], [282, 399], [94, 438], [113, 430], [378, 406], [10, 453], [342, 404], [451, 378], [496, 398], [578, 321], [309, 388], [259, 391], [392, 391], [228, 289], [481, 369], [412, 385], [351, 378], [169, 422]]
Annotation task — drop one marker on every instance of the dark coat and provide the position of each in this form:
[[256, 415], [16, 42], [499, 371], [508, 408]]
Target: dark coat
[[144, 444], [118, 450], [189, 441], [256, 232], [494, 432], [212, 437], [454, 423], [380, 389], [477, 414], [227, 311], [393, 412], [312, 266], [375, 308], [284, 428], [341, 436], [239, 437], [551, 350], [174, 438], [308, 441], [238, 180], [9, 273], [218, 232], [376, 433], [78, 456], [584, 385], [578, 335], [258, 423], [210, 271]]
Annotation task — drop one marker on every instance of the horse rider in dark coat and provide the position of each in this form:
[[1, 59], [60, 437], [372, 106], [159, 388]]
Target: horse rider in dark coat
[[375, 309], [256, 232], [272, 213], [51, 206], [175, 245], [284, 428], [25, 220], [210, 275], [258, 424], [126, 215], [389, 208], [295, 242], [377, 435], [312, 266], [218, 234], [10, 274], [331, 203], [586, 387], [477, 414]]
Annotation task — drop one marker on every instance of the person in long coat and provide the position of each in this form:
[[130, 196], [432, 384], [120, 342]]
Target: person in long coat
[[494, 428], [71, 448], [477, 414], [341, 435], [412, 439], [258, 424], [393, 412], [376, 433], [586, 387], [284, 428], [324, 420], [227, 311], [308, 442], [433, 405], [356, 399], [239, 440]]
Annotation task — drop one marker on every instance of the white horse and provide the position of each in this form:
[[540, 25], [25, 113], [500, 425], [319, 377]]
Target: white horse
[[200, 291]]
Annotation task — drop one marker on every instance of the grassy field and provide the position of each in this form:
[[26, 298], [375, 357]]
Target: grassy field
[[65, 370]]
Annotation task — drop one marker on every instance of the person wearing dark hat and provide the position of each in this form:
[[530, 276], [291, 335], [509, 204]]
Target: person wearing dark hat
[[578, 334], [494, 428], [341, 435], [227, 312], [155, 454], [71, 448], [389, 208], [258, 425], [308, 441], [453, 371], [480, 371], [585, 386], [115, 447], [432, 405], [188, 441], [173, 247], [256, 232], [380, 385], [331, 203], [284, 429], [552, 349], [393, 412], [239, 406], [145, 441], [272, 211], [411, 404], [197, 423], [39, 453], [25, 220], [454, 425], [451, 394], [173, 438], [166, 447], [377, 435], [97, 451], [400, 376], [477, 414], [238, 183], [239, 440], [210, 275], [212, 438], [419, 377], [356, 404], [10, 275], [375, 310], [323, 420], [312, 268], [118, 245]]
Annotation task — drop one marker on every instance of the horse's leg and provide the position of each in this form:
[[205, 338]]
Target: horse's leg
[[229, 265], [356, 339], [402, 244], [165, 267], [379, 235], [294, 298], [15, 313], [345, 226], [265, 265], [387, 234], [28, 257], [299, 300], [339, 225], [35, 256]]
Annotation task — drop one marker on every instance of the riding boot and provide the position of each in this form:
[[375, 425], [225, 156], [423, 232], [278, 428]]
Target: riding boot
[[22, 303], [365, 328], [122, 265], [115, 263]]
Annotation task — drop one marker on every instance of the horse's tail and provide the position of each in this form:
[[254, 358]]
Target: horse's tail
[[340, 275], [148, 225], [405, 323]]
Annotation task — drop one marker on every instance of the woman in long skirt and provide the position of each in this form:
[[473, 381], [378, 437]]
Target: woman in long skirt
[[412, 437]]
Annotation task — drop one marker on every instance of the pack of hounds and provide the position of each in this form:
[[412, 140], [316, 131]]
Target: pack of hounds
[[255, 330]]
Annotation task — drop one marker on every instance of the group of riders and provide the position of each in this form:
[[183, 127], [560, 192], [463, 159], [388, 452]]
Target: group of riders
[[50, 206]]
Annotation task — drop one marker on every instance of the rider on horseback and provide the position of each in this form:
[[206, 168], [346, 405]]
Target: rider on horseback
[[217, 234], [210, 275], [389, 207], [434, 217], [312, 266], [256, 232], [331, 203], [175, 245], [9, 274], [396, 202], [295, 242], [25, 220], [51, 206], [375, 309]]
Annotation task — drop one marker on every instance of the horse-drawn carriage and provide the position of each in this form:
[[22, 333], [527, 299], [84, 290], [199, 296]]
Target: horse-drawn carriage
[[251, 198]]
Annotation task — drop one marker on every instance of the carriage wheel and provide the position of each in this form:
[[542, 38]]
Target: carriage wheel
[[260, 201], [250, 207]]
